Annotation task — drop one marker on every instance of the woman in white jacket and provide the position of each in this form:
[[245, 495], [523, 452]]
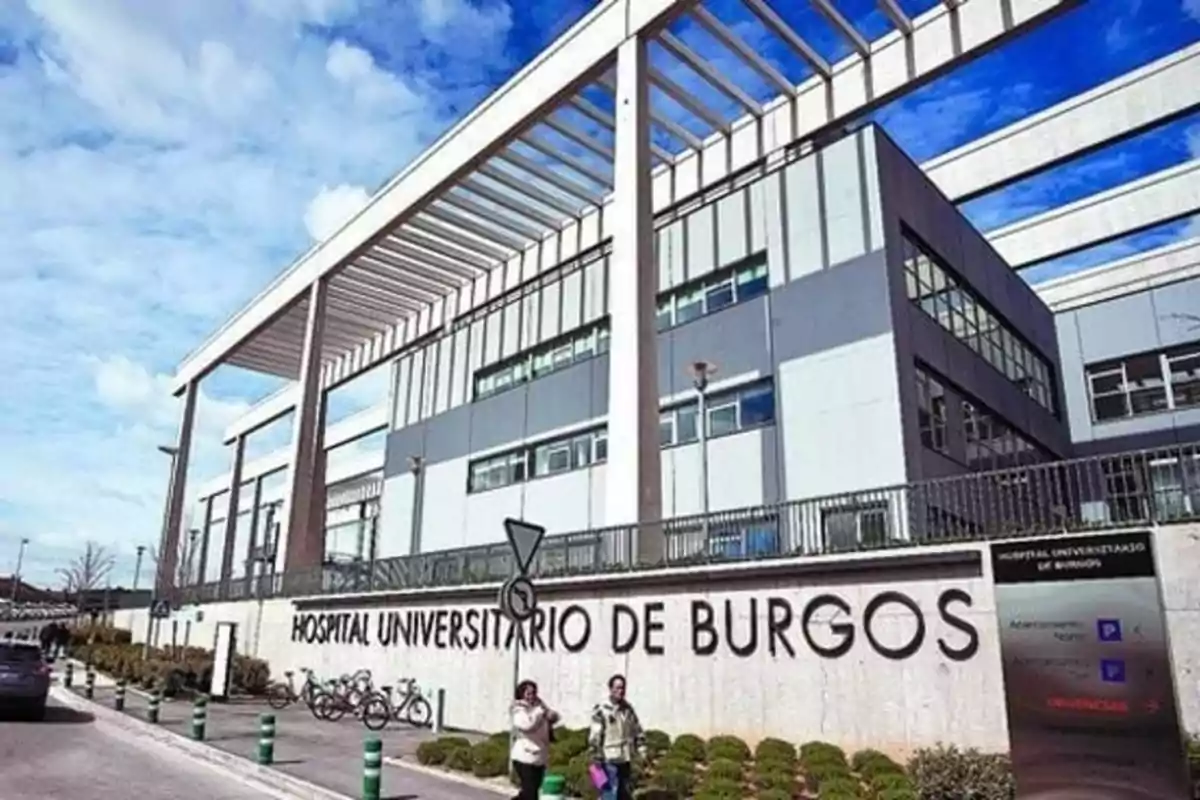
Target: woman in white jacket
[[531, 721]]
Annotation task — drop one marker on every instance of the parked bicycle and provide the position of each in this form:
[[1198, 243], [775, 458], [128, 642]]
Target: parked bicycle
[[345, 695], [282, 694], [410, 706]]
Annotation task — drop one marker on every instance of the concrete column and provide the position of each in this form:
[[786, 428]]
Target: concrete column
[[306, 541], [168, 551], [253, 538], [231, 517], [202, 564], [633, 480]]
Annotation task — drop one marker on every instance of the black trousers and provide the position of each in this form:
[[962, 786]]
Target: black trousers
[[529, 777], [624, 780]]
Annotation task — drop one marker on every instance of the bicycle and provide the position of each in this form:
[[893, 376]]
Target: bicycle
[[346, 694], [281, 694], [378, 709]]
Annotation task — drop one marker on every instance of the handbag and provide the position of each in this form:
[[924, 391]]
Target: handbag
[[599, 776]]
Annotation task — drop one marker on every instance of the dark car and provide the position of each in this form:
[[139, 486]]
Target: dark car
[[24, 679]]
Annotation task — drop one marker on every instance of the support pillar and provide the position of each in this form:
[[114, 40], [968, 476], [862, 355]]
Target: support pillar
[[306, 541], [168, 550], [232, 516], [252, 543], [202, 562], [633, 483]]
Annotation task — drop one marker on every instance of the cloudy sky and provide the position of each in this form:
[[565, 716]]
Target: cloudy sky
[[162, 160]]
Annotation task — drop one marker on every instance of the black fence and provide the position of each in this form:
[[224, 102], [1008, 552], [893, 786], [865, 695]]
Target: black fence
[[1149, 487]]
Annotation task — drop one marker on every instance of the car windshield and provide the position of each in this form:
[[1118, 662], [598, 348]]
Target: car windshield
[[17, 654]]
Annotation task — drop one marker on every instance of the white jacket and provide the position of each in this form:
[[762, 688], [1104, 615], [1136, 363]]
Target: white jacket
[[531, 733]]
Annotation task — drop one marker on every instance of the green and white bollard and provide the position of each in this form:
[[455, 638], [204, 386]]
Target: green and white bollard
[[266, 739], [69, 678], [554, 787], [152, 709], [89, 684], [199, 718], [372, 768], [119, 696]]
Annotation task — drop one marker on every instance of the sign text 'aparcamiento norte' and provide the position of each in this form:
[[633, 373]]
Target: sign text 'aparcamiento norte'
[[826, 624]]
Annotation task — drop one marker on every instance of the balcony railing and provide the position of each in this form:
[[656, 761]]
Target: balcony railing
[[1149, 487]]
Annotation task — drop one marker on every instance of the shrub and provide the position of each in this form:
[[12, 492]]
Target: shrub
[[823, 772], [459, 759], [842, 784], [718, 789], [727, 747], [872, 762], [688, 747], [657, 743], [890, 781], [776, 780], [897, 794], [562, 752], [725, 769], [431, 753], [775, 750], [454, 742], [947, 773], [774, 794], [579, 782], [489, 759], [569, 742], [500, 737], [675, 779], [821, 753]]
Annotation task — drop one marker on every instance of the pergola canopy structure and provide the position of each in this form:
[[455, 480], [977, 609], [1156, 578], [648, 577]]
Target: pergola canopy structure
[[538, 155]]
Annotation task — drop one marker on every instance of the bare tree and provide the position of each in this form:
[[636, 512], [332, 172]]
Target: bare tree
[[87, 570], [184, 561]]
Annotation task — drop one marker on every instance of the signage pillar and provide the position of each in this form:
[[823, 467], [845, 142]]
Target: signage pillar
[[1088, 683]]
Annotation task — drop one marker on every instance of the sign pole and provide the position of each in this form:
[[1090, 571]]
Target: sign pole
[[518, 595]]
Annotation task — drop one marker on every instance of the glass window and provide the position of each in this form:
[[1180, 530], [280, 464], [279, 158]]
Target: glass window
[[552, 458], [758, 406], [666, 316], [685, 424], [666, 429], [1184, 369], [718, 296], [689, 307], [722, 419], [752, 281], [600, 447]]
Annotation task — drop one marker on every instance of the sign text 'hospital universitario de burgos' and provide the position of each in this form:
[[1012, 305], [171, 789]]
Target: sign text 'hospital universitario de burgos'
[[826, 624]]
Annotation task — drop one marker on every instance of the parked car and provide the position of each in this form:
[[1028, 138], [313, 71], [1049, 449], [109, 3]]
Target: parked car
[[24, 679]]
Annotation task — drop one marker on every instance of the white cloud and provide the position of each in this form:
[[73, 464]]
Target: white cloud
[[330, 209], [1192, 8], [161, 163], [1193, 141]]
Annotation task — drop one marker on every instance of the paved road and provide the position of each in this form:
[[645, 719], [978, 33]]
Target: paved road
[[69, 757]]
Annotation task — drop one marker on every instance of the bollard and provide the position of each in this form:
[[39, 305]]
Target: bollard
[[553, 787], [439, 711], [89, 684], [199, 718], [372, 764], [119, 696], [266, 739], [69, 677], [152, 709]]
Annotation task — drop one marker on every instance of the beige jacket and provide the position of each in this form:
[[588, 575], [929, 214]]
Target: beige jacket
[[615, 734], [531, 733]]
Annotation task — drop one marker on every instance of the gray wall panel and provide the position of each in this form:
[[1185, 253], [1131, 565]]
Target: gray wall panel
[[559, 399], [735, 339], [498, 420]]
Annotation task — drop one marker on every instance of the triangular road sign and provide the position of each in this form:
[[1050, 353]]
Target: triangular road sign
[[524, 538]]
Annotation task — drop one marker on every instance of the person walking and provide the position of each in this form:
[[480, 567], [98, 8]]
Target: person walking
[[532, 722], [614, 738]]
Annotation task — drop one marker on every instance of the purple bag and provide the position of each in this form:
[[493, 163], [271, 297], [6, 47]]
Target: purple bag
[[599, 777]]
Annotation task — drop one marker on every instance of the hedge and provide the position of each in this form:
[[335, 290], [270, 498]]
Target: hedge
[[184, 669], [725, 768]]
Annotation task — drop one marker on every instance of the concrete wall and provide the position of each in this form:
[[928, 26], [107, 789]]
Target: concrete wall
[[792, 684], [1134, 323]]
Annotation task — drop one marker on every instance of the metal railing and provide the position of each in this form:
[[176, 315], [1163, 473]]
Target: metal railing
[[1148, 487]]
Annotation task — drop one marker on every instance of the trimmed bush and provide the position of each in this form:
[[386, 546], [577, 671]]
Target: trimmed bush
[[688, 747], [431, 753], [872, 762], [822, 753], [579, 782], [724, 769], [719, 789], [821, 772], [459, 759], [775, 750], [776, 780], [489, 759], [897, 794], [890, 782], [774, 794], [657, 743], [675, 778], [727, 747], [947, 773]]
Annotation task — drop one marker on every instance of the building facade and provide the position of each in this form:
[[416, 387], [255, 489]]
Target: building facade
[[860, 334]]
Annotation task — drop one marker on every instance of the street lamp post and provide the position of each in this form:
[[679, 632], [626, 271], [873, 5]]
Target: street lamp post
[[159, 579], [16, 578], [137, 565], [416, 465], [702, 372]]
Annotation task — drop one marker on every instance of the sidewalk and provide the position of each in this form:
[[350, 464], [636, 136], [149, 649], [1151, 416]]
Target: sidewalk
[[328, 754]]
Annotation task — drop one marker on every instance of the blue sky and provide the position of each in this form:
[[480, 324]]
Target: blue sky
[[163, 161]]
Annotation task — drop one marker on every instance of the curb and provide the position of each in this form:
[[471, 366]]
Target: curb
[[266, 779], [453, 777], [80, 665]]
